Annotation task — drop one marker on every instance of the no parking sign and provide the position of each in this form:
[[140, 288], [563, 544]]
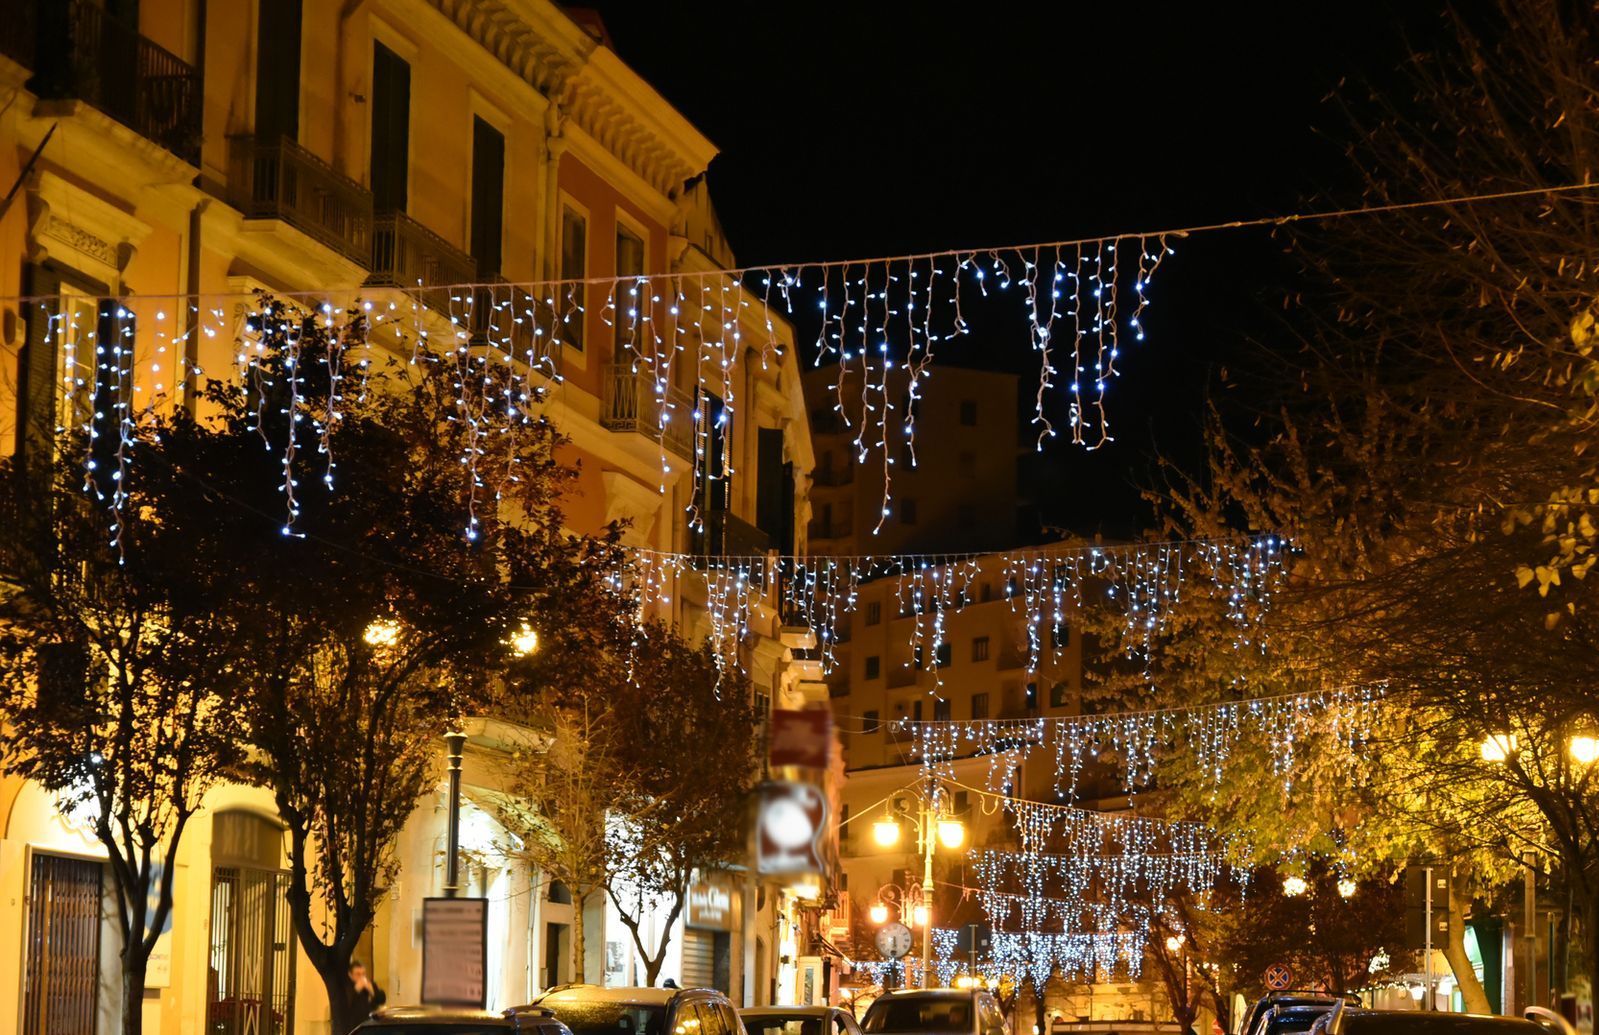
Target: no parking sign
[[1279, 976]]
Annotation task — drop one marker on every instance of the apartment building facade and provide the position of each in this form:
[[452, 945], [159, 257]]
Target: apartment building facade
[[170, 150]]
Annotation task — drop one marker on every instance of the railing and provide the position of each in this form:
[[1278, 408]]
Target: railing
[[727, 535], [630, 403], [79, 51], [279, 179], [406, 254], [902, 676], [506, 317]]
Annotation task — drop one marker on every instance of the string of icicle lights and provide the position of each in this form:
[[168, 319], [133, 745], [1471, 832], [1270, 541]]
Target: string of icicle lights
[[1038, 955], [1139, 740], [1045, 589], [677, 338]]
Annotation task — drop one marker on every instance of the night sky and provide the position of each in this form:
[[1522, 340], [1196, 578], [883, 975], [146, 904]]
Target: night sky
[[876, 128]]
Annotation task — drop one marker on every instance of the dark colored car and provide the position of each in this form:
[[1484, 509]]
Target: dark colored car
[[593, 1010], [1320, 1002], [798, 1020], [1351, 1021], [935, 1011], [429, 1020]]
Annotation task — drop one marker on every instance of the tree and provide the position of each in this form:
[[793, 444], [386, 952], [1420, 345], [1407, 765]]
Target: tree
[[114, 698], [694, 738], [389, 603], [1428, 453]]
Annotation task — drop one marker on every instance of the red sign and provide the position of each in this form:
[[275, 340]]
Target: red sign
[[1279, 976], [802, 738]]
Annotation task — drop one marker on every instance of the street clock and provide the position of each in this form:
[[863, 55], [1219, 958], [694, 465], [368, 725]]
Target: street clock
[[893, 940]]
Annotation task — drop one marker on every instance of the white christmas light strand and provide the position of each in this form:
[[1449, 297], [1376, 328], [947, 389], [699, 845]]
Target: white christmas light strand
[[1138, 740]]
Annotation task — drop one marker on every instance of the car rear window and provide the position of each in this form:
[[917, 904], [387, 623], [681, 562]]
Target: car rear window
[[912, 1014], [432, 1029], [610, 1018], [777, 1025]]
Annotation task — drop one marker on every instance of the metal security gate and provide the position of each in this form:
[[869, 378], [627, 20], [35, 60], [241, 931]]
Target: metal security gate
[[63, 947], [707, 956], [252, 945]]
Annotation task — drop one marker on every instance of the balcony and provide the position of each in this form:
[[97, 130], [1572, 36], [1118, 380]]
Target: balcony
[[406, 254], [78, 52], [279, 179], [727, 535], [630, 403], [506, 317], [835, 476]]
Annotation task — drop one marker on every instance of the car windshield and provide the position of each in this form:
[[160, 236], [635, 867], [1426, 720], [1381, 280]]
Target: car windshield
[[918, 1014], [1292, 1022], [611, 1018], [781, 1024]]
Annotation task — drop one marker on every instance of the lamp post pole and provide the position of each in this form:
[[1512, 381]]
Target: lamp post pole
[[454, 745], [928, 832]]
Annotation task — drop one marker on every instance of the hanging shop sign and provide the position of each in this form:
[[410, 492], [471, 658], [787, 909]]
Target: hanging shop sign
[[455, 950]]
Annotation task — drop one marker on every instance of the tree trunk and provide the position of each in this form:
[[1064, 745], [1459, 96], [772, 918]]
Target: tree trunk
[[1472, 995], [579, 907], [133, 970], [1040, 1009], [336, 981]]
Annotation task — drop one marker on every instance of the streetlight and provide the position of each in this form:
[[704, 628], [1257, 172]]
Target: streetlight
[[1346, 887], [1174, 942], [878, 913], [1295, 886], [1497, 747], [382, 633], [524, 641], [1584, 749], [933, 829], [886, 832]]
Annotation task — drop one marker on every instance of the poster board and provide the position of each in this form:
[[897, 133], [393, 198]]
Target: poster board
[[455, 949]]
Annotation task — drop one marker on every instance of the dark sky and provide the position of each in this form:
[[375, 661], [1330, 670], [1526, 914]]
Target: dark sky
[[871, 128]]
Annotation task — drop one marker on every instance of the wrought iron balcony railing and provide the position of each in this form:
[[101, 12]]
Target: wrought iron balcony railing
[[630, 402], [78, 51], [406, 254], [725, 534], [279, 179]]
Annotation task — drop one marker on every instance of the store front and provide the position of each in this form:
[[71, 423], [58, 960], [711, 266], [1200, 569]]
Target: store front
[[710, 921]]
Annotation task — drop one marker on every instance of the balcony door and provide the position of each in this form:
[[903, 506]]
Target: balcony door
[[277, 71], [391, 130], [250, 987]]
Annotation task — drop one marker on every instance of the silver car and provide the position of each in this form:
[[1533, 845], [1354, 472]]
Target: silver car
[[935, 1011], [798, 1020]]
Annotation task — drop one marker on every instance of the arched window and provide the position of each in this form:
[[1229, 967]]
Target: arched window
[[250, 982]]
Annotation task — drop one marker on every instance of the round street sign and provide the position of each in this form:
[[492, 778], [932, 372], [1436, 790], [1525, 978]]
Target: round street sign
[[1279, 976]]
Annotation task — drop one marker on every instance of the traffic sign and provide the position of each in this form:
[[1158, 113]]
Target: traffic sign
[[1279, 976]]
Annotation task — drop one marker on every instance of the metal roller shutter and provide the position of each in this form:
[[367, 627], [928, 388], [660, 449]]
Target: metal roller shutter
[[699, 959]]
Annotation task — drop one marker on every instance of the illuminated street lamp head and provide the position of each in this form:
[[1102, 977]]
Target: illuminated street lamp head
[[919, 916], [1346, 887], [1174, 942], [524, 641], [951, 833], [886, 832], [382, 633], [1496, 747], [1584, 749], [878, 913], [1295, 886]]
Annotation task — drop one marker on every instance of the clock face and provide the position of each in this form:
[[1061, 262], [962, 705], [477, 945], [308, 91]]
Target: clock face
[[893, 940]]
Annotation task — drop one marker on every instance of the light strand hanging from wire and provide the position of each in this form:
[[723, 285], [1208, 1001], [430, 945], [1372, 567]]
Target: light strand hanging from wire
[[1044, 590], [1140, 740]]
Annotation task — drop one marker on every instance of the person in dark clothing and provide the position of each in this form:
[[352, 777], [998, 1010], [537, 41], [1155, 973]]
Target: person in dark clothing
[[365, 995]]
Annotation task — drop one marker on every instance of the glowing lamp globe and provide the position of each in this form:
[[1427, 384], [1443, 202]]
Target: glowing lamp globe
[[1346, 887], [886, 832], [1497, 747], [1584, 749], [1294, 886], [951, 833], [878, 913]]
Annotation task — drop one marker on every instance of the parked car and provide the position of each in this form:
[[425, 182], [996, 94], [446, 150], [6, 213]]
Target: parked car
[[593, 1010], [432, 1020], [798, 1020], [935, 1011], [1343, 1020], [1255, 1019]]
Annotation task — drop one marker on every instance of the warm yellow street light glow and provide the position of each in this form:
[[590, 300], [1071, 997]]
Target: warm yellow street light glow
[[1174, 942], [524, 641], [951, 833], [1346, 887], [1585, 749], [878, 913], [1497, 747], [886, 832], [385, 632], [919, 916], [1294, 886]]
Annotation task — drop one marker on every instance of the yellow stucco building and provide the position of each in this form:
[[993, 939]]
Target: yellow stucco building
[[171, 150]]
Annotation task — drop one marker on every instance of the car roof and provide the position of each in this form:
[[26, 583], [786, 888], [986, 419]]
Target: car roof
[[640, 995], [1428, 1022], [931, 993], [437, 1015], [788, 1011]]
